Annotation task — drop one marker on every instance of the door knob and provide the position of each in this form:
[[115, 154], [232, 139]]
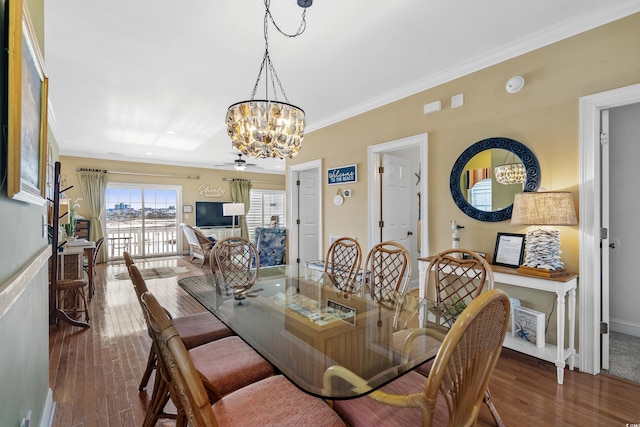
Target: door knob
[[612, 245]]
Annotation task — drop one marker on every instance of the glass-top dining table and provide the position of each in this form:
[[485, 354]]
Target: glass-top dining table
[[304, 326]]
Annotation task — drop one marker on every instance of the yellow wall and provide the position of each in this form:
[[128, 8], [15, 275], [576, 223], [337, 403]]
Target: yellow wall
[[543, 116]]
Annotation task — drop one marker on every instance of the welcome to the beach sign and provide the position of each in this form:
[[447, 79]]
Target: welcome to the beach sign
[[342, 175]]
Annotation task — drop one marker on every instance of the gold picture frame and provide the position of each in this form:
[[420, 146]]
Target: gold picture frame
[[26, 110]]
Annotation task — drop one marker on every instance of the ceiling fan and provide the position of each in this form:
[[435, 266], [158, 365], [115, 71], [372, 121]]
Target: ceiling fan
[[240, 164]]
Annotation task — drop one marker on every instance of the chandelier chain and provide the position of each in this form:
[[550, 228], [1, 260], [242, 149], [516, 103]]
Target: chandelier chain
[[266, 60], [268, 128], [301, 28]]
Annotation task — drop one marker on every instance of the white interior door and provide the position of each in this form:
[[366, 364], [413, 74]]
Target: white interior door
[[308, 217], [604, 153], [620, 151], [591, 272], [624, 232], [396, 200]]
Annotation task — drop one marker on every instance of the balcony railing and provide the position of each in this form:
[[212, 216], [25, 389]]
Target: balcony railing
[[157, 241]]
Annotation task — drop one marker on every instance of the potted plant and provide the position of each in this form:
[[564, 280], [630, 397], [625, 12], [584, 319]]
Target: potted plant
[[71, 226]]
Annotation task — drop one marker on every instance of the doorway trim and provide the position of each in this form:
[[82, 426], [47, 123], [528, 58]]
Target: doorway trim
[[590, 219], [292, 206], [420, 141]]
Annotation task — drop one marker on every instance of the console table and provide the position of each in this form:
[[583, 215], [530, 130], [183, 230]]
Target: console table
[[561, 286]]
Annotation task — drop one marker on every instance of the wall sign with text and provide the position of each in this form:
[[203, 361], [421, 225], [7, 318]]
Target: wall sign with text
[[342, 175]]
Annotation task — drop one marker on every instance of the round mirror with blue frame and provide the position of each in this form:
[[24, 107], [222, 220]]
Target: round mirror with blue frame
[[473, 196]]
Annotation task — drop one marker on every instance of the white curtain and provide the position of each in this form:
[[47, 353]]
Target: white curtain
[[94, 186]]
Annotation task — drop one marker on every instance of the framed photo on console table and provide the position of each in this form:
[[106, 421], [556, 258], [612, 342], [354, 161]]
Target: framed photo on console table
[[528, 325], [509, 250]]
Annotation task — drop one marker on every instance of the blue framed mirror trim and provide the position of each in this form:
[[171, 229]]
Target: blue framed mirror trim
[[525, 155]]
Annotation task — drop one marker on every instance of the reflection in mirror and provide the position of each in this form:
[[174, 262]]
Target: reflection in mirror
[[481, 195], [491, 195], [474, 187]]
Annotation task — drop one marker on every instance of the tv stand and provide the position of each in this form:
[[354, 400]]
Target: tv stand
[[220, 232]]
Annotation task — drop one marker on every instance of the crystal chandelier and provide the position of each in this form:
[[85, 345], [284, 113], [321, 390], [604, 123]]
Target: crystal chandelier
[[511, 173], [265, 128]]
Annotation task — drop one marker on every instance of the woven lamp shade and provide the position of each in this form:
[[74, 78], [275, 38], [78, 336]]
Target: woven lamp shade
[[544, 208]]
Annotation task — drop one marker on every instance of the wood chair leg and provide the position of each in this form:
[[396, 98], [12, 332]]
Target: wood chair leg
[[494, 412], [159, 399], [84, 300], [151, 365]]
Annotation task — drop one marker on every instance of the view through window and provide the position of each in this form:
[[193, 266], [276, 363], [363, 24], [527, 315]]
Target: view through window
[[141, 219]]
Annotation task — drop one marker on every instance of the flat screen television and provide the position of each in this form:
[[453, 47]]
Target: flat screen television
[[209, 214]]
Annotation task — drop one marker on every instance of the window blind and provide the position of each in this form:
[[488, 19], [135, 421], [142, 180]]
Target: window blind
[[264, 205]]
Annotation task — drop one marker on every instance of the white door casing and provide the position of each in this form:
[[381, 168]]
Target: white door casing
[[590, 219]]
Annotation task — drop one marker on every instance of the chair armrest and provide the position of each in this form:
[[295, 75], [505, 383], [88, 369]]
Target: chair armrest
[[434, 332], [202, 239], [413, 400]]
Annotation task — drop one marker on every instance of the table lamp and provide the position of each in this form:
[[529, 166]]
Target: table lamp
[[233, 209], [542, 210]]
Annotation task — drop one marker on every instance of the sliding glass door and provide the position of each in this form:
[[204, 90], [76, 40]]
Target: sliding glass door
[[142, 219]]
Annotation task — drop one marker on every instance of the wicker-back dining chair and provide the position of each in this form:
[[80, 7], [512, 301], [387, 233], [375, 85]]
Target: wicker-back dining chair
[[93, 259], [235, 264], [458, 276], [270, 401], [388, 271], [342, 264], [195, 330], [456, 385]]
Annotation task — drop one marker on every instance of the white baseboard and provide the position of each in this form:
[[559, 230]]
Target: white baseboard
[[624, 327], [48, 411]]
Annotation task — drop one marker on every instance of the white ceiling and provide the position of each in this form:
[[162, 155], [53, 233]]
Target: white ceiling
[[122, 73]]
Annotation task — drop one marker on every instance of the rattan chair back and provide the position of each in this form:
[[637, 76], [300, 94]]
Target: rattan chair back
[[235, 264], [463, 367], [342, 264], [128, 260], [457, 276], [388, 271], [186, 389]]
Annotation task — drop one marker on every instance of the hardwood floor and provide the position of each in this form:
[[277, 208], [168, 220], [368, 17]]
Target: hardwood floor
[[95, 373]]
